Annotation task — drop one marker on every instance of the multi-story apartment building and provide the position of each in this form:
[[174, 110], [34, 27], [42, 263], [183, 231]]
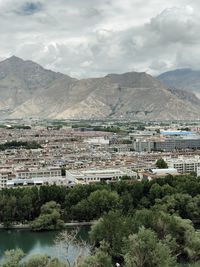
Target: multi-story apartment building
[[176, 143], [184, 164], [3, 181], [5, 175], [140, 146], [168, 144]]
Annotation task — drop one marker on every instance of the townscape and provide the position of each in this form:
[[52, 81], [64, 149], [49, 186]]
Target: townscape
[[99, 133], [81, 152], [60, 173]]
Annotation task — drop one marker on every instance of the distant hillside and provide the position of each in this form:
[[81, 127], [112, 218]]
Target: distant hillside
[[185, 79], [19, 80], [28, 90]]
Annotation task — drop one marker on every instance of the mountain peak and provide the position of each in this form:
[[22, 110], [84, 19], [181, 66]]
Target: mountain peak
[[25, 75], [14, 59]]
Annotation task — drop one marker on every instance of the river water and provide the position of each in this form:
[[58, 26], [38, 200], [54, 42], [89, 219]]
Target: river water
[[36, 242]]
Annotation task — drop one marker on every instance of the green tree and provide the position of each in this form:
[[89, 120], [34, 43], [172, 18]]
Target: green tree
[[100, 257], [12, 258], [161, 164], [155, 191], [98, 202], [103, 201], [187, 241], [179, 204], [193, 209], [15, 258], [144, 249], [49, 218], [9, 210], [111, 228], [43, 261]]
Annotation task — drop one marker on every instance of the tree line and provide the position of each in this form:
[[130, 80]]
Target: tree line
[[20, 144], [175, 195]]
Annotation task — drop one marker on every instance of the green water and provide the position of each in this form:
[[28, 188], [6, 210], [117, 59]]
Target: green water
[[35, 242]]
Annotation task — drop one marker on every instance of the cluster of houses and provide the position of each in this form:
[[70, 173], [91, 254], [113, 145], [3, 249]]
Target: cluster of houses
[[69, 156]]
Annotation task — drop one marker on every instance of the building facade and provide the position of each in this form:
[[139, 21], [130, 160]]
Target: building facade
[[184, 164], [35, 173], [93, 176]]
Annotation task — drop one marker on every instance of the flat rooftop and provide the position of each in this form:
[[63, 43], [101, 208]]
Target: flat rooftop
[[176, 132]]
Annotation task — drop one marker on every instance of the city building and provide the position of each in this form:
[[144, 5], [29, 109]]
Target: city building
[[92, 176], [37, 182], [97, 141], [5, 175], [170, 144], [35, 173], [140, 146], [184, 164], [150, 174]]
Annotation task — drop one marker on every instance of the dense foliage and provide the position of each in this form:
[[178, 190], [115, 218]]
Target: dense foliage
[[15, 258], [148, 223], [49, 218], [174, 195]]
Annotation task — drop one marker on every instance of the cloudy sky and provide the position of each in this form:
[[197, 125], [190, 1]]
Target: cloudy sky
[[85, 38]]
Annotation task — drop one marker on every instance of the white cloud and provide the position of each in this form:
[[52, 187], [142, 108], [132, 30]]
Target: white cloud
[[92, 38]]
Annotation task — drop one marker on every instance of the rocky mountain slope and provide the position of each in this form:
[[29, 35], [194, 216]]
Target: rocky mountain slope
[[28, 90], [19, 80], [185, 79]]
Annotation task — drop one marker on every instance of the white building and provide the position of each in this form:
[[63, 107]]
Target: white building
[[167, 171], [92, 176], [4, 177], [97, 141], [184, 164], [37, 182], [36, 173], [150, 174], [3, 180]]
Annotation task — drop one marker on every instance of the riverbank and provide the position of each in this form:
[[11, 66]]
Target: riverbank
[[27, 226], [42, 243]]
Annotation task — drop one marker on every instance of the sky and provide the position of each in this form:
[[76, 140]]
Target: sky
[[91, 38]]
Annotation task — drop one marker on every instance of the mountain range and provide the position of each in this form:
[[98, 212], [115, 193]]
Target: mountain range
[[29, 90], [184, 79]]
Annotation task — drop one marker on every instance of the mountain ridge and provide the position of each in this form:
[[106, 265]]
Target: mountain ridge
[[29, 90], [185, 79]]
